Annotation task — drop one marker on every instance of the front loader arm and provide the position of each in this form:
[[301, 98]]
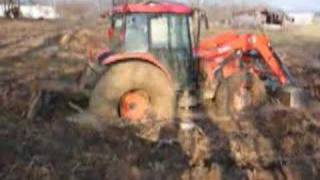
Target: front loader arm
[[224, 45], [262, 45]]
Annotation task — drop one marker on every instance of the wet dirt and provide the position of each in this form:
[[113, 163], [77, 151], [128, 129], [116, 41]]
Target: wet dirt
[[272, 142]]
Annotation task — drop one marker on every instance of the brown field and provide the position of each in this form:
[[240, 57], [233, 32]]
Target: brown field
[[268, 143]]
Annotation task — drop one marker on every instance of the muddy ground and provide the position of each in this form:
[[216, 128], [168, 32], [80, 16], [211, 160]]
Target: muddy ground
[[272, 142]]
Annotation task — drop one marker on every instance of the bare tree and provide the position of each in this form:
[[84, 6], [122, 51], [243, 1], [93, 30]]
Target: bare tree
[[11, 8]]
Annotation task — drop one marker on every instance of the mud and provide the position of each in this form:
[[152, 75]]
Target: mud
[[271, 142]]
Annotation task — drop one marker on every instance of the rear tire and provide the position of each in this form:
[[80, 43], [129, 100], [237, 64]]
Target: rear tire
[[129, 76]]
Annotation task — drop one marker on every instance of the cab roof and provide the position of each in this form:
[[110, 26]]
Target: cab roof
[[153, 7]]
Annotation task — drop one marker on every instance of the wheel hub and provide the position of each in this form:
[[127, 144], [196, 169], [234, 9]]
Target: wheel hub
[[134, 106]]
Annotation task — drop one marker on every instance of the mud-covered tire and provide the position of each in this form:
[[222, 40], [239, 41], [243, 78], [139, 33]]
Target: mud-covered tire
[[131, 75], [228, 89]]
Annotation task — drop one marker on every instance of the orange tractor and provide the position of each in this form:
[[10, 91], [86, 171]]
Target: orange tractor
[[157, 63]]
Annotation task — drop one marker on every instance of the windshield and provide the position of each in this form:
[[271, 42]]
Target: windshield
[[166, 32], [169, 32], [166, 36], [136, 38]]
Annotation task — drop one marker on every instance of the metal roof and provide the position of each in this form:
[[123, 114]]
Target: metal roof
[[153, 7]]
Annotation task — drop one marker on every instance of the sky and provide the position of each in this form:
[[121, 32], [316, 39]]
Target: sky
[[295, 5], [288, 5]]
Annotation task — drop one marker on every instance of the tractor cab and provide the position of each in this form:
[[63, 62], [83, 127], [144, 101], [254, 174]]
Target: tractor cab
[[160, 29]]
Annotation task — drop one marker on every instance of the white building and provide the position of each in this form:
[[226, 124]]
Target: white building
[[302, 18]]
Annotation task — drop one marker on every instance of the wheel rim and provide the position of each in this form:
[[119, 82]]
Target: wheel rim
[[134, 106]]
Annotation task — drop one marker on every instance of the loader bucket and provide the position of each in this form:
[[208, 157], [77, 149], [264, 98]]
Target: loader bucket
[[298, 97]]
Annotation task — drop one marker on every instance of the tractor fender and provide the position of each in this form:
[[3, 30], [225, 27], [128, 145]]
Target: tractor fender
[[145, 57]]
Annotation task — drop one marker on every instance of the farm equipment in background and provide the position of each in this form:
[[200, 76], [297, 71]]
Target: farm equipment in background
[[262, 16], [157, 64]]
